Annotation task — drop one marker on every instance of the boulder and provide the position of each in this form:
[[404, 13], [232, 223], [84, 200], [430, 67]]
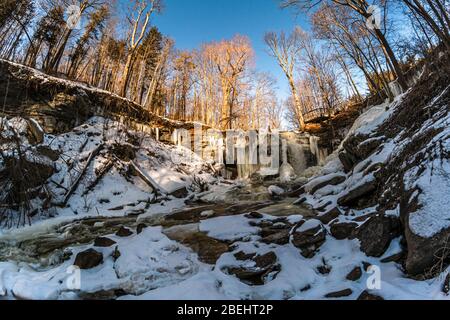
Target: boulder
[[124, 232], [358, 192], [339, 294], [397, 258], [140, 227], [333, 181], [343, 230], [103, 242], [309, 241], [88, 259], [265, 268], [423, 253], [254, 215], [355, 274], [180, 193], [377, 233], [366, 296], [280, 238], [347, 160], [48, 152], [329, 216], [358, 147], [275, 191]]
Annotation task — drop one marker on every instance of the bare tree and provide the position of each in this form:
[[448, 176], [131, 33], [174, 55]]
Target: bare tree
[[362, 9], [435, 13], [58, 52], [140, 23], [286, 49]]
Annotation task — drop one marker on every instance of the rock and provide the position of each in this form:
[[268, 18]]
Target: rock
[[399, 257], [124, 232], [180, 193], [356, 148], [335, 180], [357, 193], [287, 173], [209, 250], [88, 259], [366, 296], [368, 146], [295, 193], [355, 274], [275, 191], [423, 253], [279, 238], [103, 242], [265, 260], [265, 269], [326, 218], [377, 233], [306, 288], [309, 241], [339, 294], [446, 286], [48, 152], [36, 134], [324, 269], [242, 256], [140, 227], [343, 230], [347, 160], [254, 215], [366, 266], [102, 295]]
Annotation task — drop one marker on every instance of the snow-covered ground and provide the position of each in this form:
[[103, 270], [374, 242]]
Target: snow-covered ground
[[152, 266]]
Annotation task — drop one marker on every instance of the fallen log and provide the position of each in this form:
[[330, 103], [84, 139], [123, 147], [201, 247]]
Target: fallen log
[[74, 186], [148, 180], [100, 175]]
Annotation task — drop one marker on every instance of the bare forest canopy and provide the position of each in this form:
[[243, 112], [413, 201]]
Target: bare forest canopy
[[353, 54]]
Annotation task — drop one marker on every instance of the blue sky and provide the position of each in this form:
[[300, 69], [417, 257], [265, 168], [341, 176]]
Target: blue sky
[[193, 22]]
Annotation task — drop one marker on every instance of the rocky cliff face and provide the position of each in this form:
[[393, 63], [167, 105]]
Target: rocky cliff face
[[60, 105], [391, 176]]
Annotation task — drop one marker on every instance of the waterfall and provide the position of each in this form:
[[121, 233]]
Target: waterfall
[[297, 157], [246, 162], [321, 154], [396, 89], [287, 172], [284, 157]]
